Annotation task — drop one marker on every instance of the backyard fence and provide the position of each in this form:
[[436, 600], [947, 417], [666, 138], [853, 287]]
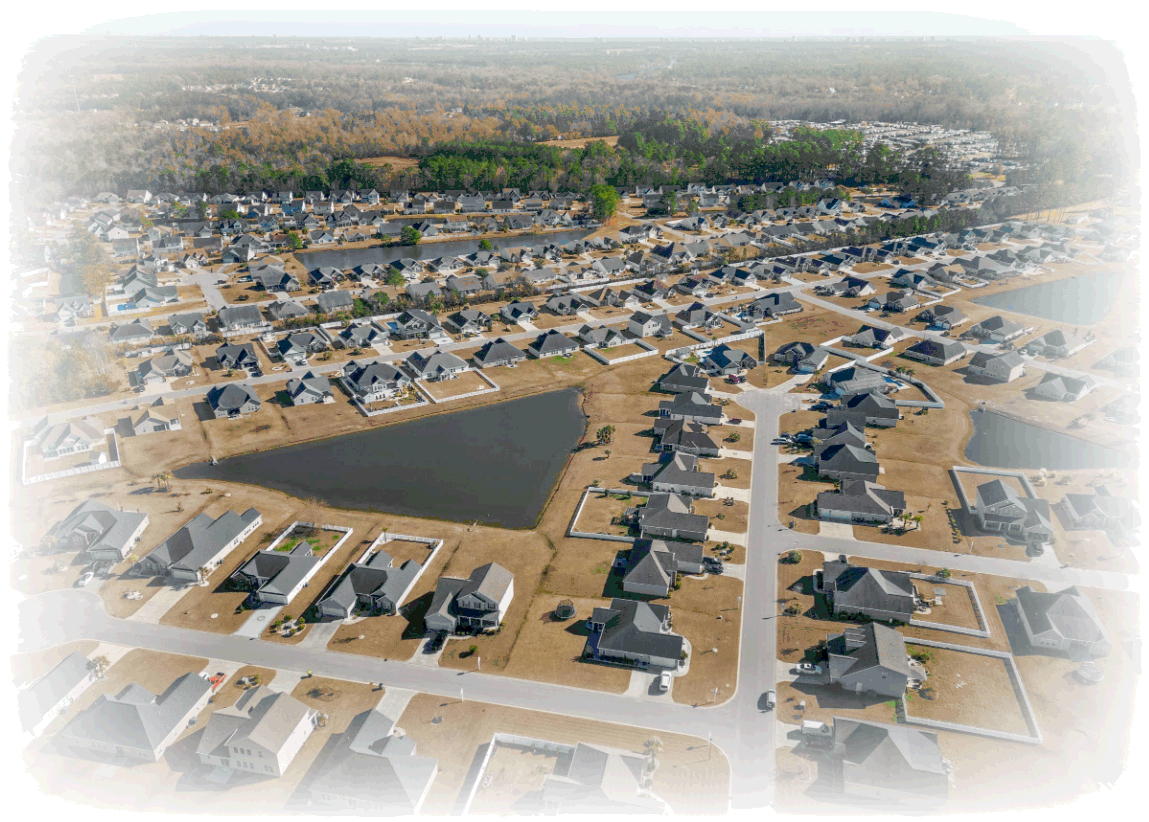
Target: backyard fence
[[648, 350], [573, 532], [113, 461]]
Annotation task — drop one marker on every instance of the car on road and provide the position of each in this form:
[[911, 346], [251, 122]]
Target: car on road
[[809, 668], [435, 642], [84, 579], [769, 700], [664, 681]]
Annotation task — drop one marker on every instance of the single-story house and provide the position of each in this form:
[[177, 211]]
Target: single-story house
[[634, 633], [192, 552]]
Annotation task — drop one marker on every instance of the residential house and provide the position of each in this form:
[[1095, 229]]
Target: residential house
[[634, 633], [603, 336], [644, 324], [594, 780], [862, 502], [691, 407], [936, 352], [50, 695], [565, 305], [848, 462], [241, 318], [476, 604], [260, 734], [286, 310], [276, 577], [869, 336], [943, 316], [373, 381], [1005, 367], [725, 360], [158, 370], [1056, 344], [310, 389], [233, 400], [237, 357], [137, 330], [998, 507], [804, 357], [187, 325], [72, 437], [498, 352], [855, 590], [875, 408], [362, 336], [435, 365], [192, 552], [669, 516], [516, 311], [869, 659], [297, 347], [102, 532], [849, 432], [652, 566], [890, 764], [997, 329], [374, 585], [552, 344], [685, 437], [136, 723], [1102, 510], [772, 306], [697, 315], [470, 322], [1064, 620], [685, 378], [373, 769], [856, 379], [416, 324], [1064, 389], [335, 302], [677, 473]]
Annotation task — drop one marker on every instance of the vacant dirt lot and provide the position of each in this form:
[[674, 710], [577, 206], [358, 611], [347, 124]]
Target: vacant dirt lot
[[966, 688]]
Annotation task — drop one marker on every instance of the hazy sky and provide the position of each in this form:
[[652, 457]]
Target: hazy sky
[[667, 23]]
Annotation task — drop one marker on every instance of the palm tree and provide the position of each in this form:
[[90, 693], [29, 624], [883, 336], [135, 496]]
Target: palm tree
[[163, 480], [100, 665]]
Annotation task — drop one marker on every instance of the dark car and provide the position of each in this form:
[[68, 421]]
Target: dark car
[[435, 642]]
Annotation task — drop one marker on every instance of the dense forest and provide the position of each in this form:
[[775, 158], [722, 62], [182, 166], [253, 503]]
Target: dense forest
[[472, 113]]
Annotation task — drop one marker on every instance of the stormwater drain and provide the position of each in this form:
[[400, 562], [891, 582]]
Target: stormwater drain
[[260, 619]]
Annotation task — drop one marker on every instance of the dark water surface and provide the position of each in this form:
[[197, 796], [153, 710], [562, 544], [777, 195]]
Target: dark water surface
[[1082, 300], [495, 464], [352, 257], [1003, 442]]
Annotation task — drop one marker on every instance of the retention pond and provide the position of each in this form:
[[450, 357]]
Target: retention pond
[[1003, 442], [495, 464], [1082, 300]]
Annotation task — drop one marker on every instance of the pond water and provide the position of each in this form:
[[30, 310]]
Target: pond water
[[1003, 442], [1082, 300], [344, 258], [495, 464]]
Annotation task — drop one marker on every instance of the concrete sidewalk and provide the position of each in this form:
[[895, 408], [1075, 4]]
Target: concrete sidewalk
[[163, 601]]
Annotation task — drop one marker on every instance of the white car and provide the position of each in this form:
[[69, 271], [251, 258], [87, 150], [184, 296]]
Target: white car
[[809, 668], [664, 681], [84, 579]]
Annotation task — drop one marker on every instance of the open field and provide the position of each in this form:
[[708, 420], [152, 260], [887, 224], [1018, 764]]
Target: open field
[[465, 383]]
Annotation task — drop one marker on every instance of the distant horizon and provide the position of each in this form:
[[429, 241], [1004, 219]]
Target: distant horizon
[[554, 25]]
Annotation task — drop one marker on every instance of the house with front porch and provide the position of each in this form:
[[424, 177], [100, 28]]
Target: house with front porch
[[668, 516], [260, 734], [677, 473], [476, 604], [1064, 620], [999, 507], [373, 381], [652, 566], [372, 585], [99, 530]]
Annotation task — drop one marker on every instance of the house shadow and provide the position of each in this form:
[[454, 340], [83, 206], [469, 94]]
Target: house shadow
[[831, 697], [203, 411], [810, 474], [300, 798], [975, 379], [578, 627], [803, 512], [415, 612]]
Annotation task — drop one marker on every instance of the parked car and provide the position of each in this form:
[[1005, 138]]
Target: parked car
[[735, 421], [84, 579], [664, 681], [809, 668], [770, 699], [435, 642]]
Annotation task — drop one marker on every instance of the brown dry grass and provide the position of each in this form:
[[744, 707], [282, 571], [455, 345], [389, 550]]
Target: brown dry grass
[[970, 689], [465, 383], [689, 779]]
